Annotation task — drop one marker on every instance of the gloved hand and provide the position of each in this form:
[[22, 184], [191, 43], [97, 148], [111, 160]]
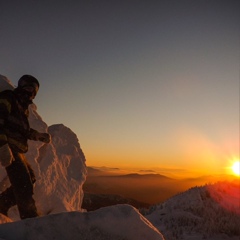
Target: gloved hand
[[6, 156], [43, 137]]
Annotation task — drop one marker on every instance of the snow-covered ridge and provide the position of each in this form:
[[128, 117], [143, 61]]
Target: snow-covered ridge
[[208, 212]]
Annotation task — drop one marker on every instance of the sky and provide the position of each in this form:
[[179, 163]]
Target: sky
[[143, 84]]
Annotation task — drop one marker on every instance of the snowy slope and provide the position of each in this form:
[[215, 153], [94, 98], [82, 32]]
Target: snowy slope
[[121, 222], [211, 212]]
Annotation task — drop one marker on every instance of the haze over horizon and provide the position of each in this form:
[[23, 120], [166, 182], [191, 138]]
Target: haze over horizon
[[150, 84]]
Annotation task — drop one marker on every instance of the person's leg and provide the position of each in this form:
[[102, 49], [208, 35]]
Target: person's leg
[[7, 200], [21, 181]]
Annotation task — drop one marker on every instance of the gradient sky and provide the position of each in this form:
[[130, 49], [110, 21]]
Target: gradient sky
[[142, 83]]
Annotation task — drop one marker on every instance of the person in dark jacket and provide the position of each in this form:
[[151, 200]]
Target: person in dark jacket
[[15, 132]]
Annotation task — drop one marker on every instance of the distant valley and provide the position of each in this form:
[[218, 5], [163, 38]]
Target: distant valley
[[104, 188]]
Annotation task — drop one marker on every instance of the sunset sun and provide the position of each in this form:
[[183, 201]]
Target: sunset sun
[[236, 168]]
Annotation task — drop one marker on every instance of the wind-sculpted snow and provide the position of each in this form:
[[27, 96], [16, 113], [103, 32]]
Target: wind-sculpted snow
[[120, 222], [61, 172]]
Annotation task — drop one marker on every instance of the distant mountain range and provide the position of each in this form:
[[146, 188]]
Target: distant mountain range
[[136, 175], [105, 187]]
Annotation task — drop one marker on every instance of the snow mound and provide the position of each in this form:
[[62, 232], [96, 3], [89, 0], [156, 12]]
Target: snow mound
[[120, 222], [61, 172]]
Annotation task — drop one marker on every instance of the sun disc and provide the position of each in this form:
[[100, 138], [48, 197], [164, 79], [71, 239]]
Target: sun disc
[[236, 168]]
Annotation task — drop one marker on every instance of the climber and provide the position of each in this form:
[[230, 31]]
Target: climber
[[14, 134]]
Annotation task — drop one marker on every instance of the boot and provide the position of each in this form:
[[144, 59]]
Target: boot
[[7, 200], [27, 209]]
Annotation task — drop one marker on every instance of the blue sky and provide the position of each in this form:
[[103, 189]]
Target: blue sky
[[142, 83]]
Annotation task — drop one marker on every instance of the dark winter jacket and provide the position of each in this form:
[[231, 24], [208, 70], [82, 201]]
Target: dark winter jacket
[[14, 125]]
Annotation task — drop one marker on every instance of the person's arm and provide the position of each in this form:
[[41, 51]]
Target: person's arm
[[6, 156], [37, 136]]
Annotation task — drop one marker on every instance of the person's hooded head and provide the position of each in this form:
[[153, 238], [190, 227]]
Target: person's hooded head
[[27, 88]]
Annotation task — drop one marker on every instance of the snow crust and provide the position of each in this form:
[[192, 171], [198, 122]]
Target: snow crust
[[121, 222]]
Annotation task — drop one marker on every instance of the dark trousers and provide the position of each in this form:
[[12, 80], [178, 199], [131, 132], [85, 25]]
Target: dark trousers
[[20, 192]]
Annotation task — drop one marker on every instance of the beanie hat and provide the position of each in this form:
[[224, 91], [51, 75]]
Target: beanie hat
[[28, 81]]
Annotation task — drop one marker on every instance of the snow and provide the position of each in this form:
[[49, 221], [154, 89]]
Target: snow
[[199, 213], [227, 195], [121, 222], [60, 169]]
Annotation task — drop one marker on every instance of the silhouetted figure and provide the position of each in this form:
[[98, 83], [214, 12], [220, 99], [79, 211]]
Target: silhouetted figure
[[14, 134]]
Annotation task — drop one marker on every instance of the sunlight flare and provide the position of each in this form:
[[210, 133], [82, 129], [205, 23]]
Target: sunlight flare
[[236, 168]]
